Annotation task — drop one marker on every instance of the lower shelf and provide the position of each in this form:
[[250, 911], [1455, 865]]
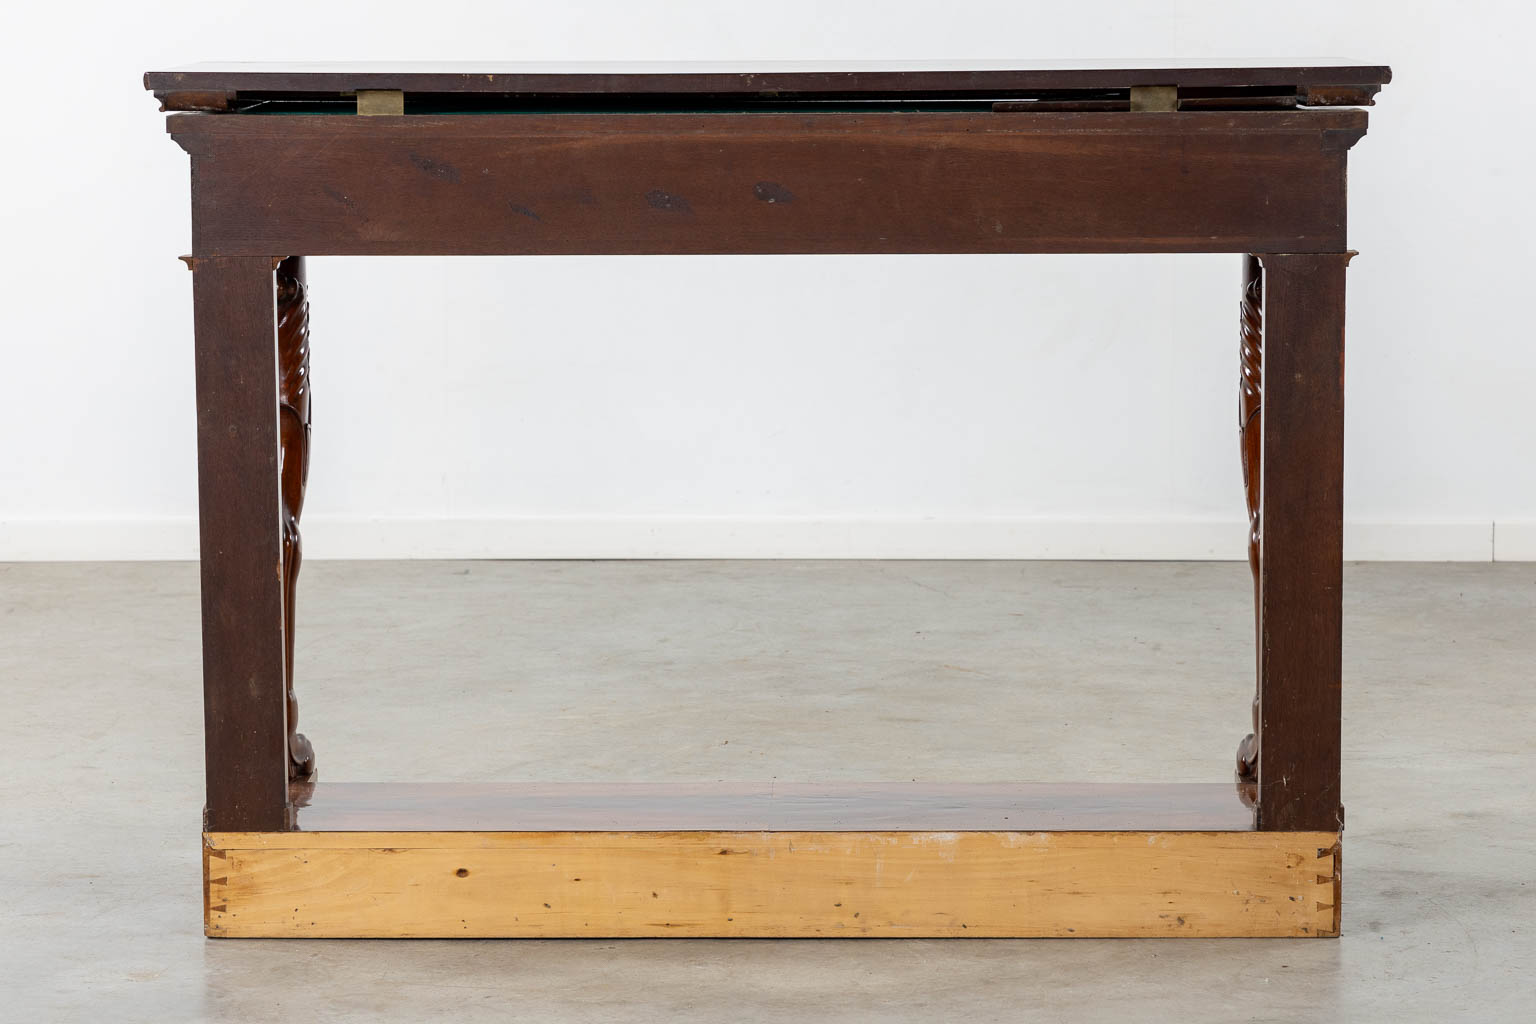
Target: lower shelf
[[813, 877]]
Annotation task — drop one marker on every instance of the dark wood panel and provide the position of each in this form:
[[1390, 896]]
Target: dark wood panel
[[866, 80], [1301, 543], [770, 183], [623, 807], [234, 313]]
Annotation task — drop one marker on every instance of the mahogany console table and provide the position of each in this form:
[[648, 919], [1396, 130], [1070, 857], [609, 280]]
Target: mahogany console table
[[293, 160]]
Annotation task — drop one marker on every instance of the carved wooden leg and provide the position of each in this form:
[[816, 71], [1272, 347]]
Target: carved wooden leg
[[1250, 433], [293, 407], [1301, 563], [239, 501]]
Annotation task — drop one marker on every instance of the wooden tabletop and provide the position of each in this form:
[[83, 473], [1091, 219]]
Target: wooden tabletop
[[884, 80]]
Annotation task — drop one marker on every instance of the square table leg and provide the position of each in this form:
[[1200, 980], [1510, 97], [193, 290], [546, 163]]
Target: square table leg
[[1300, 542], [245, 719]]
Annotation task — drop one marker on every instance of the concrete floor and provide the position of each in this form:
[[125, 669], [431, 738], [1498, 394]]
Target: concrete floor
[[811, 671]]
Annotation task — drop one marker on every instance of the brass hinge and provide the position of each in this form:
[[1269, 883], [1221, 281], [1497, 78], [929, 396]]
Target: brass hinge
[[373, 102], [1158, 98]]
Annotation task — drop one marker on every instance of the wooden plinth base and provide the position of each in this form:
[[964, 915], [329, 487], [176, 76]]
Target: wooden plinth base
[[815, 878]]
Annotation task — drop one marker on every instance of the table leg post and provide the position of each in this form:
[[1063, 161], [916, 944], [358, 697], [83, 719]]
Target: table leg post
[[245, 720], [1300, 553], [293, 465], [1250, 434]]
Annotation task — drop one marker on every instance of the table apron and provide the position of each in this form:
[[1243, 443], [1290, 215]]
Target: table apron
[[756, 183]]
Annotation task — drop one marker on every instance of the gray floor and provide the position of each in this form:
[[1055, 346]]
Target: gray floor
[[812, 671]]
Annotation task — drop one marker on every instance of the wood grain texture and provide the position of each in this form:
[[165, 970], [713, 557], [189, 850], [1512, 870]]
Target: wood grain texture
[[234, 315], [1250, 433], [1301, 564], [1265, 181], [779, 807], [866, 80], [771, 884], [293, 464], [838, 183]]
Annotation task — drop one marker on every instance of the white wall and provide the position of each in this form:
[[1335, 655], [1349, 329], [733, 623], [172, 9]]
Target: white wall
[[971, 406]]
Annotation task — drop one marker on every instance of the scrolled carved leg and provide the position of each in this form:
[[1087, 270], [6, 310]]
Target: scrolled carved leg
[[293, 456], [1250, 425]]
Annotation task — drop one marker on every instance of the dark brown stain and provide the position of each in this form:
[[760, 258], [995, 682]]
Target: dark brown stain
[[1250, 439], [1290, 201], [660, 199], [339, 196], [435, 168], [772, 192], [244, 674], [1249, 181], [293, 463], [1082, 88], [665, 807], [1300, 578], [462, 872]]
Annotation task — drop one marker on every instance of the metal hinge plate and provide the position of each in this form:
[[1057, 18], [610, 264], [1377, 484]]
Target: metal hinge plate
[[373, 102], [1156, 98]]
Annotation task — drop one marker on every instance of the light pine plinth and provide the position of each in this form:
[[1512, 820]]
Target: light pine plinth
[[771, 884]]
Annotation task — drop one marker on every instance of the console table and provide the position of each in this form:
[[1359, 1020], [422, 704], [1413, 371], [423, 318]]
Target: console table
[[290, 161]]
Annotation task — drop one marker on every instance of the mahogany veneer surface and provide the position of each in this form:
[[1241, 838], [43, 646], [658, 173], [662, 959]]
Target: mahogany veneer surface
[[780, 79]]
